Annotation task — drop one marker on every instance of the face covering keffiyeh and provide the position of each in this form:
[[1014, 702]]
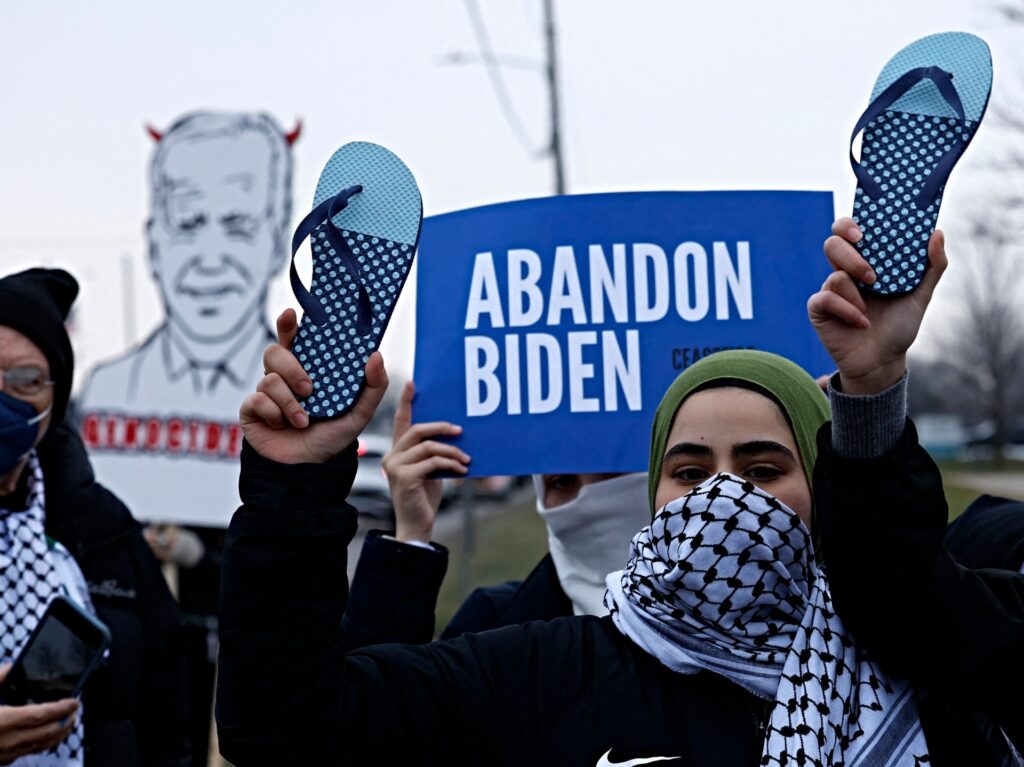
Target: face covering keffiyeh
[[725, 580], [32, 572]]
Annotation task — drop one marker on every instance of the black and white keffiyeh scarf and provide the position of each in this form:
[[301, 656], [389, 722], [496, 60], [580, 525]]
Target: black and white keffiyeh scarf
[[34, 570], [724, 580]]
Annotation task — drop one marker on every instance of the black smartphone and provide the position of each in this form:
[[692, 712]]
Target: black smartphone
[[59, 656]]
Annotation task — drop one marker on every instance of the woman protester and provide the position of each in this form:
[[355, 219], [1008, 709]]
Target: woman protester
[[590, 519], [901, 582], [721, 646], [62, 532]]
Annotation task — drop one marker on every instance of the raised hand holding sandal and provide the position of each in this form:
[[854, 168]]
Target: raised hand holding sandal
[[925, 108], [363, 230]]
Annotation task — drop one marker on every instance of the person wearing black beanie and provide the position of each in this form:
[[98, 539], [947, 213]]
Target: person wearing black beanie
[[61, 531], [36, 303]]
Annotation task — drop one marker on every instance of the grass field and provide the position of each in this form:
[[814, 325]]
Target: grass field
[[508, 545], [1006, 466], [958, 498], [955, 473]]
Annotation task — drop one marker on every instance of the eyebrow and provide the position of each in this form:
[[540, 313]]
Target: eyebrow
[[744, 448], [686, 448], [762, 446]]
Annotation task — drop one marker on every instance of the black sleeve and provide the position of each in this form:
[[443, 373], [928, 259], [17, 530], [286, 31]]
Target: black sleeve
[[990, 533], [394, 593], [482, 610], [162, 724], [538, 597], [943, 626], [289, 694]]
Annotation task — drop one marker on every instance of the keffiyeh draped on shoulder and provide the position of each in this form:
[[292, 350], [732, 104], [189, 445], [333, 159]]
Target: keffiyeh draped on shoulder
[[34, 570]]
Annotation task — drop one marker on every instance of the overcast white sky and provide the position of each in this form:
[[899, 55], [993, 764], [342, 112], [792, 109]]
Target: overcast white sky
[[657, 95]]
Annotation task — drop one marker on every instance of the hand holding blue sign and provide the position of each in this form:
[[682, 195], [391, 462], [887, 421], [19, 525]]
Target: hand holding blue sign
[[411, 466], [868, 335], [276, 425]]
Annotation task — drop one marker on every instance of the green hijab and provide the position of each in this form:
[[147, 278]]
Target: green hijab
[[802, 401]]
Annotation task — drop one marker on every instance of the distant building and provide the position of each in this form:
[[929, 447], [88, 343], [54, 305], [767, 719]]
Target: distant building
[[942, 435]]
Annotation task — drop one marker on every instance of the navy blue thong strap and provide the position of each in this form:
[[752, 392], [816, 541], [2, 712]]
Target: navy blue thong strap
[[323, 214], [944, 82]]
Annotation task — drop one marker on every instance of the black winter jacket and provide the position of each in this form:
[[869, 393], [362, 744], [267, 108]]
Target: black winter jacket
[[539, 597], [135, 705], [571, 691], [957, 634], [989, 534], [395, 587]]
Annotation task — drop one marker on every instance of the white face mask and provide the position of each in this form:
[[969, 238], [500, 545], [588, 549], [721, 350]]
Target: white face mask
[[590, 536]]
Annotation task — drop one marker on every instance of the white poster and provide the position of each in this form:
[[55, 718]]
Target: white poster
[[161, 420]]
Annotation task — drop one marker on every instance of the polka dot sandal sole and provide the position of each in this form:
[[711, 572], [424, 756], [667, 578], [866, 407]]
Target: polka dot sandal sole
[[361, 258], [910, 146]]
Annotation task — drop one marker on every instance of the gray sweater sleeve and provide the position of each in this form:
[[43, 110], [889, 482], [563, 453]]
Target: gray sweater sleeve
[[867, 426]]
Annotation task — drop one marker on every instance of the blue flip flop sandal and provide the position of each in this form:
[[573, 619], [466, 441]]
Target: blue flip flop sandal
[[363, 232], [925, 109]]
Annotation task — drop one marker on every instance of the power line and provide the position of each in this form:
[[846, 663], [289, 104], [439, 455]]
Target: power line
[[493, 66], [555, 147]]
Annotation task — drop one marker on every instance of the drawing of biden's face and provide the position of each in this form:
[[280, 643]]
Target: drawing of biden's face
[[213, 236]]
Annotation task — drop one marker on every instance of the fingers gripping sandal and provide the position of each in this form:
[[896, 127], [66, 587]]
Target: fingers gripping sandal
[[925, 108], [363, 231]]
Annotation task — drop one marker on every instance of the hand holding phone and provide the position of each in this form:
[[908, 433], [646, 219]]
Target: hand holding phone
[[33, 729], [58, 657]]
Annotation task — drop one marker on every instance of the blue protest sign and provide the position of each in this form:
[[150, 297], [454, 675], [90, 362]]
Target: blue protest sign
[[549, 329]]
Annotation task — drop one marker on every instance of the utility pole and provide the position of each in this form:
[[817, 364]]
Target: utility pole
[[494, 64], [468, 501], [552, 75]]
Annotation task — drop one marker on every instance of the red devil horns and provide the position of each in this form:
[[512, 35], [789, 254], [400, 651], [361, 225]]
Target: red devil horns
[[291, 136]]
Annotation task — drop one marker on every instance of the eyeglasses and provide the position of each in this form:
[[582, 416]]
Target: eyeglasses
[[26, 381]]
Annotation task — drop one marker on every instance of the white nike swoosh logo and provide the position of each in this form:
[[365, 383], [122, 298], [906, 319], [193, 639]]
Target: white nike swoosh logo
[[604, 761]]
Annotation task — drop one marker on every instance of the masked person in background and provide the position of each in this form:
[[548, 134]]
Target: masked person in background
[[51, 508], [590, 519], [34, 569]]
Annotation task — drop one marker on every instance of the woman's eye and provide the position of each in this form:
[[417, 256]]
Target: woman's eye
[[763, 472], [690, 474]]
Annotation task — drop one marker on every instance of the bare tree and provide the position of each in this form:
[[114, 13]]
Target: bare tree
[[985, 346], [987, 343], [1011, 12], [1007, 115]]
